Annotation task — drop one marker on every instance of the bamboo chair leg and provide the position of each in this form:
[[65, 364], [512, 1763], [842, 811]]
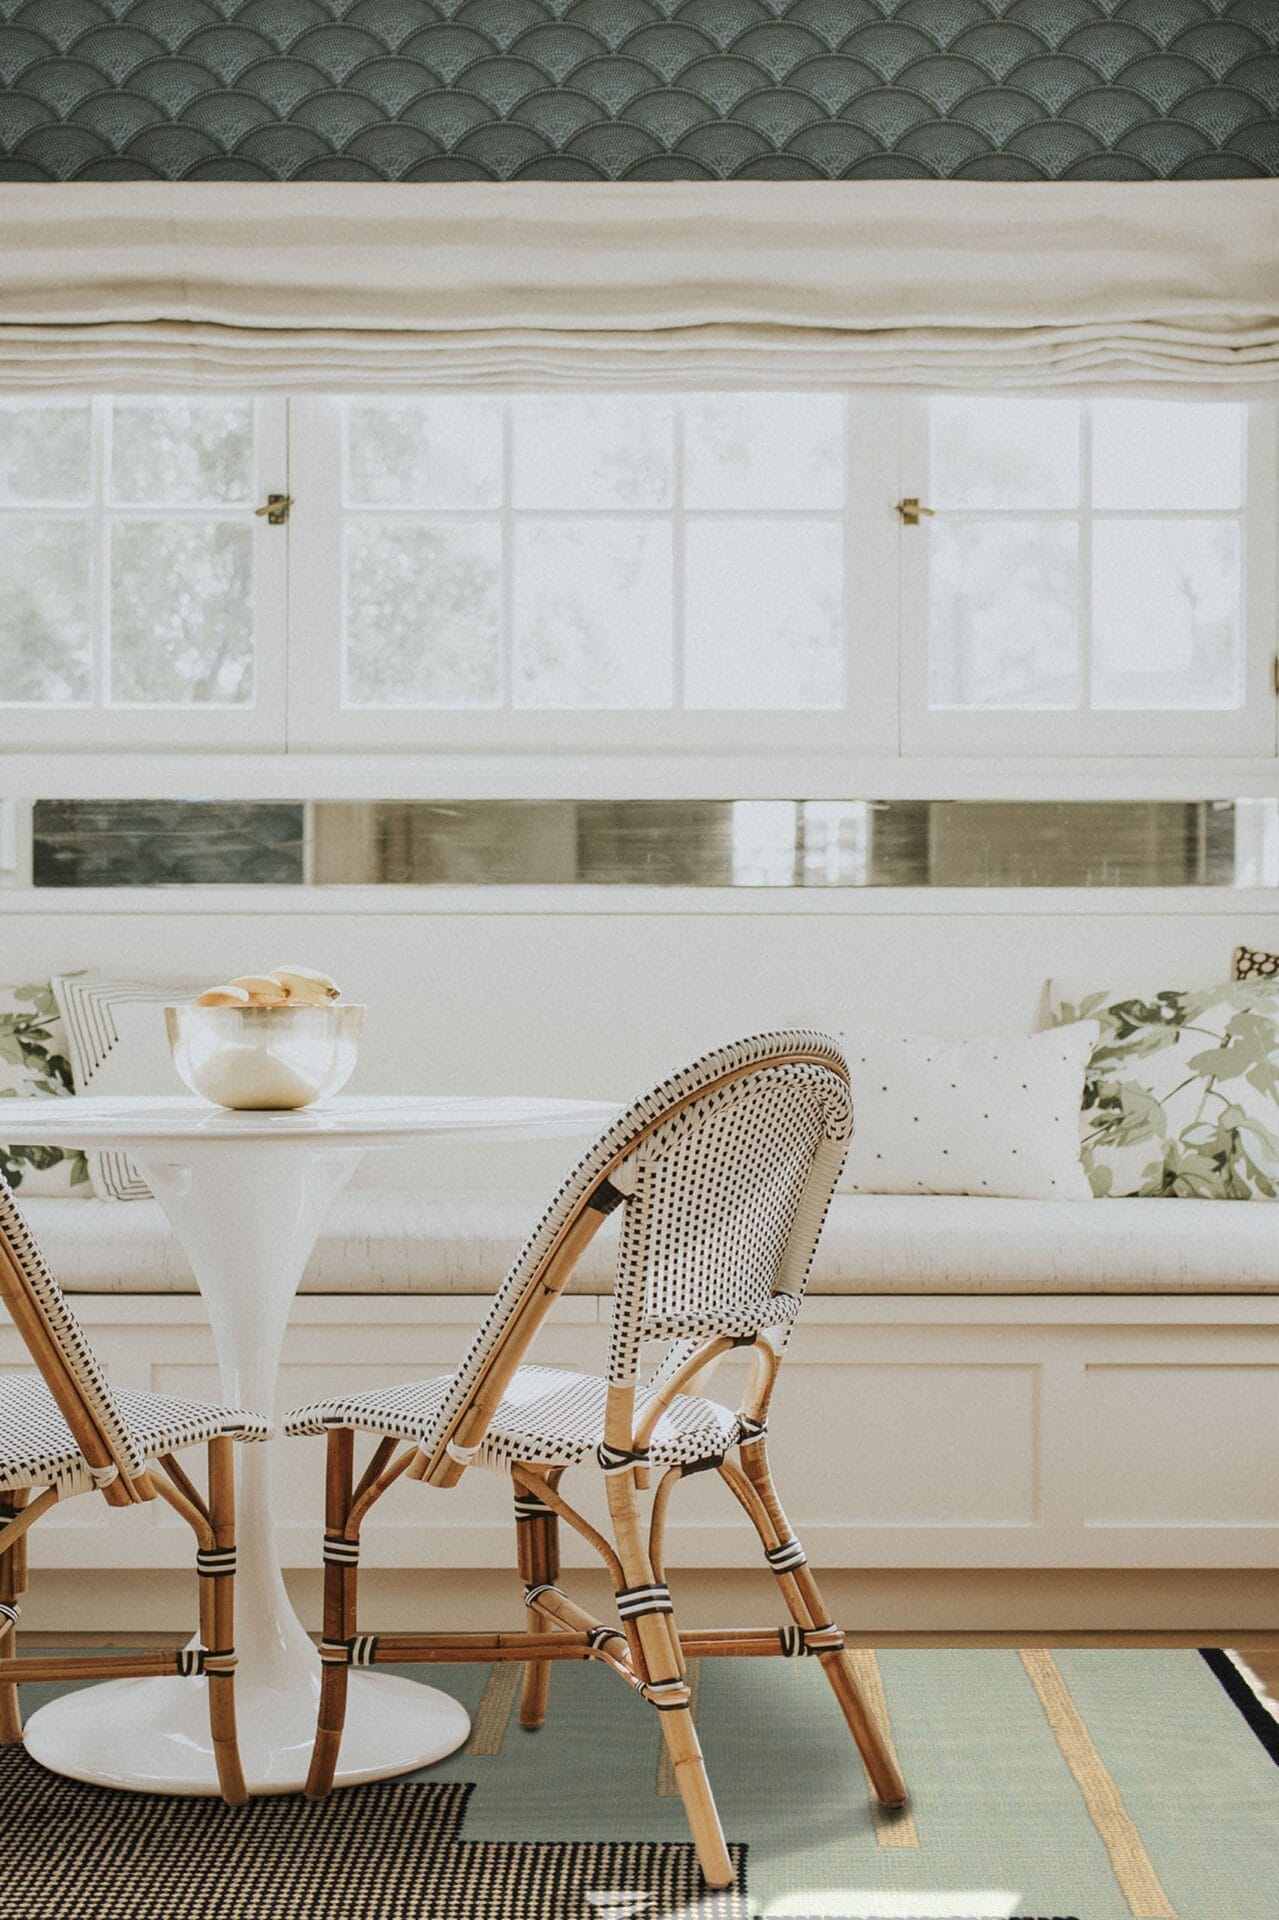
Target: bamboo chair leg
[[658, 1639], [13, 1582], [809, 1610], [537, 1541], [339, 1616], [217, 1625]]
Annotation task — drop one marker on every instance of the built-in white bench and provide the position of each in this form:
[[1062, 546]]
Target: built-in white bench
[[985, 1385]]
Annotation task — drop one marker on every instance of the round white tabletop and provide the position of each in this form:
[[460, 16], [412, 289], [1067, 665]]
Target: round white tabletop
[[246, 1194]]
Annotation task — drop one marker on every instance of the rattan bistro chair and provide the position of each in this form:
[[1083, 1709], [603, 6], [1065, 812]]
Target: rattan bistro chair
[[723, 1175], [67, 1433]]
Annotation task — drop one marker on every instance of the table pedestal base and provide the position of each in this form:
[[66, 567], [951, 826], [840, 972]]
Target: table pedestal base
[[152, 1736]]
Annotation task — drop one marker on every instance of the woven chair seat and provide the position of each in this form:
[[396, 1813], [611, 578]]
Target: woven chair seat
[[547, 1415], [36, 1447]]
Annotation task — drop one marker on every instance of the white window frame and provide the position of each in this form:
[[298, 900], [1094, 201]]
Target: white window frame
[[866, 724], [258, 725], [1246, 730], [886, 720]]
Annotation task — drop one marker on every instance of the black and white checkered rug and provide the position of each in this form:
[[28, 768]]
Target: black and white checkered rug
[[381, 1852]]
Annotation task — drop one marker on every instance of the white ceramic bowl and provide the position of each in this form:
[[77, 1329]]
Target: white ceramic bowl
[[264, 1058]]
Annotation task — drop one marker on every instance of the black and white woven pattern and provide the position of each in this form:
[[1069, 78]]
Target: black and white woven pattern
[[36, 1446], [724, 1205], [547, 1415], [381, 1852], [63, 1327]]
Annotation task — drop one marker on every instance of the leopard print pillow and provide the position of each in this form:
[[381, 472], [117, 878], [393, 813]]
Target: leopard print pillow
[[1252, 964]]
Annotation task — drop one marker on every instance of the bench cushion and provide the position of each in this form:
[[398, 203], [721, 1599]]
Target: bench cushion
[[384, 1241]]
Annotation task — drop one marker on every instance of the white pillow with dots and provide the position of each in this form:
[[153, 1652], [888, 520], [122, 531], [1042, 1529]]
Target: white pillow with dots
[[998, 1117]]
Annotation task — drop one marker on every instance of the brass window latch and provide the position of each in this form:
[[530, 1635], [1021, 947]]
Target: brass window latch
[[276, 510], [911, 513]]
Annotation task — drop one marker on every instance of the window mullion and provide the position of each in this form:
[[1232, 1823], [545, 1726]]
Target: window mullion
[[100, 551], [1084, 698], [679, 551], [508, 557]]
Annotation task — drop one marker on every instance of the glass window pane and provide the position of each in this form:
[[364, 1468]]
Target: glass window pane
[[1166, 613], [1003, 453], [182, 453], [181, 614], [593, 614], [592, 450], [423, 615], [764, 450], [1003, 614], [46, 450], [445, 451], [46, 645], [1160, 453], [764, 614]]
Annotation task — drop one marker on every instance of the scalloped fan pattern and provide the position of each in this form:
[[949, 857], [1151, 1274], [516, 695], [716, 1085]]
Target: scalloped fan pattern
[[638, 89]]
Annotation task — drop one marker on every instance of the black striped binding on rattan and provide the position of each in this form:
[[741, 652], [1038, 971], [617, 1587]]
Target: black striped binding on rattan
[[605, 1198], [215, 1563], [533, 1594], [798, 1641], [786, 1556], [528, 1506], [618, 1459], [599, 1636], [750, 1430], [10, 1613], [341, 1552], [359, 1651], [668, 1696], [634, 1602], [189, 1661]]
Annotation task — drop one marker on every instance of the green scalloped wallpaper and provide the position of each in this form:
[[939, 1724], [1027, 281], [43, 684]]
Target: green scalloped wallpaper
[[638, 89]]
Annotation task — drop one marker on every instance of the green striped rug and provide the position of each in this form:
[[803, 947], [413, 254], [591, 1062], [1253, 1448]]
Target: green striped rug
[[1078, 1785]]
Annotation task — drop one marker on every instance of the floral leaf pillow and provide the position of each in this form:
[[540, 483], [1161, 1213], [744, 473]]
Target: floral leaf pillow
[[1181, 1095], [33, 1062]]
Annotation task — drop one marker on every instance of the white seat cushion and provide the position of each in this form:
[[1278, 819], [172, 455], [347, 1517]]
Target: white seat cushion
[[384, 1241], [547, 1414]]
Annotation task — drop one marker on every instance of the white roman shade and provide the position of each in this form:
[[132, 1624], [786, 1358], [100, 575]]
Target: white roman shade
[[944, 284]]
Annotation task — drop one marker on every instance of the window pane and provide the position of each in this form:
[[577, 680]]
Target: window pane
[[765, 623], [1166, 613], [181, 614], [182, 453], [441, 452], [1003, 614], [1003, 453], [593, 614], [596, 450], [764, 450], [46, 648], [45, 450], [1158, 453], [423, 615]]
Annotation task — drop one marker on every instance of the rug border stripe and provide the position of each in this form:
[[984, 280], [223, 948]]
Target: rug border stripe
[[1133, 1868], [1252, 1709]]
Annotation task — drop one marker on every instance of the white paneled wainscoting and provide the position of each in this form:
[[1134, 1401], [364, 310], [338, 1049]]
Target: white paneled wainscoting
[[1063, 1462]]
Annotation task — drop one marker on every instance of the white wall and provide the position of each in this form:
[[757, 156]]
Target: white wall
[[572, 998]]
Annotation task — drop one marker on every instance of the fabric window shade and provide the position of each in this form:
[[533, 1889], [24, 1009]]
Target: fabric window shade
[[945, 285]]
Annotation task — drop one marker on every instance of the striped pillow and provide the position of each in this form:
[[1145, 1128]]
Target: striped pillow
[[117, 1044]]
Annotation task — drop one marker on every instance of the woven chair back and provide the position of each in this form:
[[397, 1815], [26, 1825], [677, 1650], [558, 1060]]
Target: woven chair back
[[725, 1171], [67, 1364]]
